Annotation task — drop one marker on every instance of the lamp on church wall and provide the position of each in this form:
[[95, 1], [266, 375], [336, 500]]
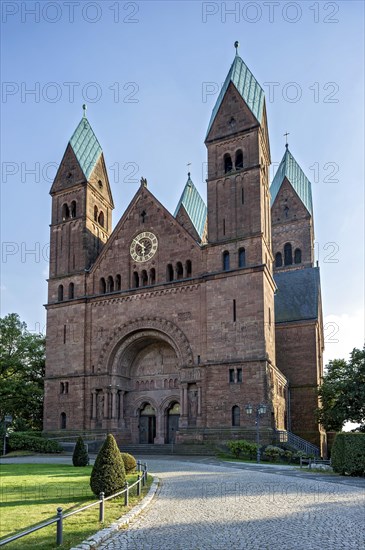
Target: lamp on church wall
[[260, 410]]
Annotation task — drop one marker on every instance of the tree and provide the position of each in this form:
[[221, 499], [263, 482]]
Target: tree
[[22, 364], [342, 392], [108, 473], [80, 455]]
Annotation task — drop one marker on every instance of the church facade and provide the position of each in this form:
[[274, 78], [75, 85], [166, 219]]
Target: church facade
[[165, 328]]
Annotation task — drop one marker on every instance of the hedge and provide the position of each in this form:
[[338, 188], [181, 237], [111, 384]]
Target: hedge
[[18, 441], [130, 463], [348, 454], [108, 473]]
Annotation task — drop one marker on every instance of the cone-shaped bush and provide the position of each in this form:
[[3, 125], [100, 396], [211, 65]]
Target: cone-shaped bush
[[80, 455], [108, 473], [130, 462]]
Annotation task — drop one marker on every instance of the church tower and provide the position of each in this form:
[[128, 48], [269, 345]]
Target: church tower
[[240, 297], [82, 207]]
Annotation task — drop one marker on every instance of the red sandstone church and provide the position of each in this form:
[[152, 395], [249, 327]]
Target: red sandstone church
[[166, 328]]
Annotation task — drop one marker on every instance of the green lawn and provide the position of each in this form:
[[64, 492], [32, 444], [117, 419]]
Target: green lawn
[[31, 493]]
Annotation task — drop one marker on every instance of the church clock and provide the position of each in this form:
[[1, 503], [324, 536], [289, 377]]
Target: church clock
[[144, 246]]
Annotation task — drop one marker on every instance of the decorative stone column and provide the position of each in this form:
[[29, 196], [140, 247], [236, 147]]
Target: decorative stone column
[[106, 403], [183, 421], [93, 405]]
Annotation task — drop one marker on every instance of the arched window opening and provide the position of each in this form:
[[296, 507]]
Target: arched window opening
[[288, 254], [60, 293], [71, 291], [235, 415], [169, 273], [65, 212], [73, 209], [144, 278], [242, 257], [152, 276], [225, 260], [188, 268], [239, 160], [63, 421], [118, 282], [102, 286], [101, 218], [135, 280], [95, 213], [227, 163], [110, 284], [278, 259], [298, 256], [179, 270]]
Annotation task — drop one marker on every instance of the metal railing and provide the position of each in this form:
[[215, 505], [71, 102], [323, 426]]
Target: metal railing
[[297, 442], [141, 482]]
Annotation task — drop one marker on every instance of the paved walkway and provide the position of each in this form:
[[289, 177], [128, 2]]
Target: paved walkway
[[204, 506]]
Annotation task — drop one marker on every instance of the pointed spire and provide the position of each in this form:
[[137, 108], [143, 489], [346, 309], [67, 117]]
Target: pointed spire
[[247, 86], [194, 206], [290, 169], [85, 145]]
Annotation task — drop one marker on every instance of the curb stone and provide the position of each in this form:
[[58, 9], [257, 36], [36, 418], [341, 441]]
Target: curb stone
[[101, 536]]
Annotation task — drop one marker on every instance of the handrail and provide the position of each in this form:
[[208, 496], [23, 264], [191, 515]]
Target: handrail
[[101, 502], [296, 441]]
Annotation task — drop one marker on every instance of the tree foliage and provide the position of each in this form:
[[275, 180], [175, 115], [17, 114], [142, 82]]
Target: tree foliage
[[22, 364], [342, 392], [108, 473]]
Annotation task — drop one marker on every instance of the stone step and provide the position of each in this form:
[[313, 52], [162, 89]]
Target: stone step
[[168, 449]]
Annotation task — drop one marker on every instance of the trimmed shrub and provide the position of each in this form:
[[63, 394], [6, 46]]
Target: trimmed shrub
[[80, 455], [348, 454], [130, 463], [242, 447], [18, 441], [273, 453], [108, 473]]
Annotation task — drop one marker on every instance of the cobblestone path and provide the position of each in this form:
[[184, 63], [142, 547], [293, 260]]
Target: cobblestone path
[[206, 507]]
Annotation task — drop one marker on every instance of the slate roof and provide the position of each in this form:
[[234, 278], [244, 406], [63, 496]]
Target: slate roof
[[290, 169], [194, 205], [297, 297], [85, 146], [247, 86]]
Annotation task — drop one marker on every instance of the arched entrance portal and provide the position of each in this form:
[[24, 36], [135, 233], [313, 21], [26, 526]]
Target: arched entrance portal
[[173, 415], [147, 424]]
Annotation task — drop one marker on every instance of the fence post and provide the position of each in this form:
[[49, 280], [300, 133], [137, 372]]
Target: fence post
[[139, 486], [138, 466], [143, 478], [59, 534], [126, 494], [101, 507]]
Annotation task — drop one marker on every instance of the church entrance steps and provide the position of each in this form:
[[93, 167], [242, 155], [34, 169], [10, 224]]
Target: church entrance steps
[[168, 449]]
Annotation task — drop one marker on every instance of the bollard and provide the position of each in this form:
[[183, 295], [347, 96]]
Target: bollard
[[101, 507], [59, 534], [126, 494]]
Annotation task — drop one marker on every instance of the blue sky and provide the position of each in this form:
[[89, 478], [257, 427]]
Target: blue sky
[[150, 74]]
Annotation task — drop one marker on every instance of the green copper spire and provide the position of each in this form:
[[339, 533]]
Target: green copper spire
[[194, 206], [247, 86], [85, 145], [290, 169]]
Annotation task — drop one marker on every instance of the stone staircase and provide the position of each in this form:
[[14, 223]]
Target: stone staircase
[[168, 449]]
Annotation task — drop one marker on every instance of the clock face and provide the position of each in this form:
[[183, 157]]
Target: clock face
[[144, 246]]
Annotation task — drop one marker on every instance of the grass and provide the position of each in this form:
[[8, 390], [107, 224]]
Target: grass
[[31, 493]]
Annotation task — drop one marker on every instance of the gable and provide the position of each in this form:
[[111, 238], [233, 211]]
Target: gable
[[247, 87], [233, 115], [287, 205], [100, 181], [69, 172], [146, 214]]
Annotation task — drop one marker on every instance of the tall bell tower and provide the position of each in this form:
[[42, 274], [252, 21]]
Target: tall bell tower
[[82, 207], [238, 165]]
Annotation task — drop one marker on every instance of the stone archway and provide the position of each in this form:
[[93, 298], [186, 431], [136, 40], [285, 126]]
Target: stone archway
[[144, 363]]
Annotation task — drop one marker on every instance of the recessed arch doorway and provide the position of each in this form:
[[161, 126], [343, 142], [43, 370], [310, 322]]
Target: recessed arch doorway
[[147, 424]]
